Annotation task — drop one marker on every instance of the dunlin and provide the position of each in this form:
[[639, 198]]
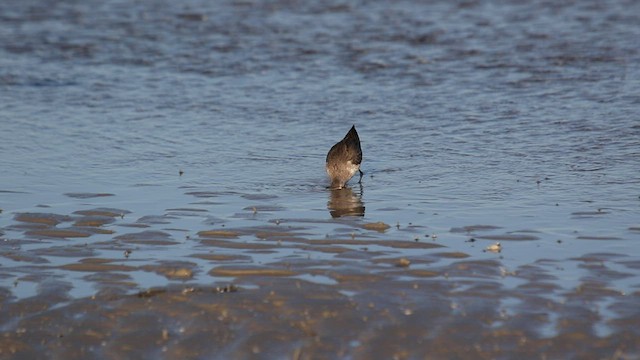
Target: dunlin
[[344, 158]]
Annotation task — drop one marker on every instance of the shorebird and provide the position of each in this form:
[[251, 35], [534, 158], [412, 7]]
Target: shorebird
[[344, 158]]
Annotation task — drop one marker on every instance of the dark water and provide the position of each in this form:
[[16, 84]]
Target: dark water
[[481, 122]]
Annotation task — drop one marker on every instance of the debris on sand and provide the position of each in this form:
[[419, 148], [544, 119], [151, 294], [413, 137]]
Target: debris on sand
[[496, 248]]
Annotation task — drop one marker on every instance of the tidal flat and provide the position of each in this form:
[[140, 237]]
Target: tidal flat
[[163, 190]]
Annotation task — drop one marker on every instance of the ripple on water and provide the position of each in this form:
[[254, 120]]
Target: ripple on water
[[87, 195]]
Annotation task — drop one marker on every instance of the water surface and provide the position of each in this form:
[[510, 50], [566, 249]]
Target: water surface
[[173, 146]]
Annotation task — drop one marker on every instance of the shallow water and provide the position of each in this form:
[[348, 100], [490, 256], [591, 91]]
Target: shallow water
[[163, 145]]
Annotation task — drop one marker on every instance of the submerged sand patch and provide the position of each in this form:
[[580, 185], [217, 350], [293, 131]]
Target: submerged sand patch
[[301, 288]]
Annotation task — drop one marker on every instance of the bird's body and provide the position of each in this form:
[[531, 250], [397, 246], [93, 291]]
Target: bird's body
[[343, 160]]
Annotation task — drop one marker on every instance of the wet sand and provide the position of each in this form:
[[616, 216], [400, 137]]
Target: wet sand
[[364, 316], [277, 290]]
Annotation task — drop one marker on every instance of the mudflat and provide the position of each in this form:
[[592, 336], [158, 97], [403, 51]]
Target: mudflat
[[278, 290]]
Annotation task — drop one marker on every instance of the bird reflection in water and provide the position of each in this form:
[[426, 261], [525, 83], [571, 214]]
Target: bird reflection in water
[[344, 202]]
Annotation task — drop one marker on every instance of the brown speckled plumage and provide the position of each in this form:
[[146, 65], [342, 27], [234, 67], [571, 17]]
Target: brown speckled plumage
[[344, 158]]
